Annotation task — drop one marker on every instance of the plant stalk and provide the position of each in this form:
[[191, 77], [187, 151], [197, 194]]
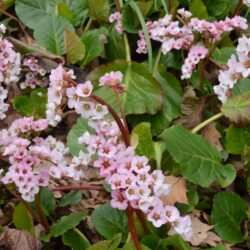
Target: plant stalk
[[132, 228], [121, 111], [157, 60], [41, 217], [238, 8], [116, 118], [127, 48], [206, 122], [78, 187], [135, 7]]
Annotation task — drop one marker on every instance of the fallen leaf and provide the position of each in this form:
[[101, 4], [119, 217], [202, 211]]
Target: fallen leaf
[[14, 239], [191, 109], [178, 192], [212, 239], [200, 231], [212, 135]]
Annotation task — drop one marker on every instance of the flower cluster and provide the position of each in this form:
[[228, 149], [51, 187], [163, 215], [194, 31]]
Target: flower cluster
[[9, 61], [195, 54], [181, 35], [59, 81], [238, 67], [34, 162], [34, 74], [128, 174], [117, 17], [9, 69]]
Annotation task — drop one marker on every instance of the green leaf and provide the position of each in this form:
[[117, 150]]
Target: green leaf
[[31, 12], [76, 131], [22, 219], [107, 244], [218, 8], [48, 201], [222, 55], [177, 242], [199, 161], [229, 211], [94, 43], [198, 9], [115, 48], [145, 144], [66, 223], [50, 33], [64, 11], [242, 86], [34, 105], [172, 94], [75, 49], [143, 93], [153, 242], [99, 9], [237, 108], [237, 138], [131, 246], [109, 221], [75, 240], [6, 4], [130, 22], [219, 247], [71, 198]]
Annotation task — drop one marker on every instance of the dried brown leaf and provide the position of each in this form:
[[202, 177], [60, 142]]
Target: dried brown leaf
[[200, 232], [212, 135], [178, 192], [14, 239], [191, 109]]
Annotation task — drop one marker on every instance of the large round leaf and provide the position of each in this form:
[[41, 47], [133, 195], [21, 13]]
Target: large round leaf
[[51, 33], [143, 92], [199, 161], [229, 211]]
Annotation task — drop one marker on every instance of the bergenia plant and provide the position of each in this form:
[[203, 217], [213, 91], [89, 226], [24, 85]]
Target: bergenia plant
[[124, 124]]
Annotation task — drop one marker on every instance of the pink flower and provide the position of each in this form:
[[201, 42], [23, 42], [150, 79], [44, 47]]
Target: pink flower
[[156, 216], [84, 89], [139, 164], [111, 79], [118, 200]]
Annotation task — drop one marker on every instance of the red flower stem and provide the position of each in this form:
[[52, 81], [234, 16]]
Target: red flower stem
[[116, 118], [85, 187], [238, 8], [169, 5], [121, 110], [41, 217], [132, 228], [23, 201], [143, 221]]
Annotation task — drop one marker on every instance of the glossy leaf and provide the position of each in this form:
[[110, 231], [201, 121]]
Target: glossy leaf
[[71, 198], [66, 223], [109, 221], [34, 105], [143, 93], [51, 33], [22, 219], [237, 138], [199, 161], [48, 201], [94, 43], [229, 211], [99, 9], [222, 55], [198, 9], [144, 144], [76, 241], [242, 86], [75, 48]]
